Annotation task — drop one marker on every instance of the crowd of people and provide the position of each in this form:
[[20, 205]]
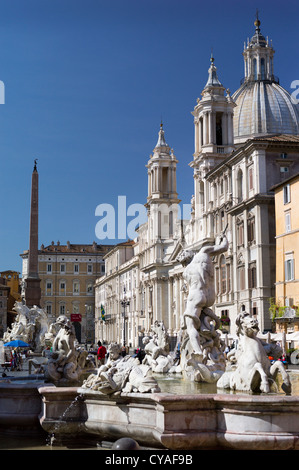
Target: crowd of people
[[13, 358], [101, 353]]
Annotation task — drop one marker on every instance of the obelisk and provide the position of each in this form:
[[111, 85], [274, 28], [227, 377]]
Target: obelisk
[[32, 286]]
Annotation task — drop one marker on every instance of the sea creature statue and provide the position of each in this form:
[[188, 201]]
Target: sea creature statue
[[65, 363], [121, 374], [157, 349], [30, 325], [202, 358], [253, 371]]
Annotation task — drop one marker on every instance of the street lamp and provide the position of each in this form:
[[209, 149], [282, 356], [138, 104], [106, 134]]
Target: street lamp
[[124, 304]]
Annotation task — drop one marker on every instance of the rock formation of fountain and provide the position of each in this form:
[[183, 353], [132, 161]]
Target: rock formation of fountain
[[156, 348], [66, 363], [121, 374], [31, 326]]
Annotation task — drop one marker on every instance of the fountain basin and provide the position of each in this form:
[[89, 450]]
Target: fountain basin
[[178, 422], [20, 407]]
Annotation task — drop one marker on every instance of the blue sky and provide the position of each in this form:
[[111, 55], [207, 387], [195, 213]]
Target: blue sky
[[86, 85]]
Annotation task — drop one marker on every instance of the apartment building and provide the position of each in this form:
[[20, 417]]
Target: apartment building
[[68, 273], [287, 242]]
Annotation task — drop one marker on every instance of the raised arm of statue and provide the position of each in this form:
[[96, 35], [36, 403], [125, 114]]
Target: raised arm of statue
[[216, 249]]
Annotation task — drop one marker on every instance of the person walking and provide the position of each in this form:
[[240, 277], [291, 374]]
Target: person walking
[[101, 353]]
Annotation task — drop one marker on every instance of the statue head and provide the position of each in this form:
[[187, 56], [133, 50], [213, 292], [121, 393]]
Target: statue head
[[247, 325], [114, 350], [63, 321]]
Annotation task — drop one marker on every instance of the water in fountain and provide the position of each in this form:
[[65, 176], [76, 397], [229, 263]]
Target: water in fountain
[[51, 439]]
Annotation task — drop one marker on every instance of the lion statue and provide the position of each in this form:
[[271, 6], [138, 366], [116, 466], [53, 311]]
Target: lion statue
[[253, 372]]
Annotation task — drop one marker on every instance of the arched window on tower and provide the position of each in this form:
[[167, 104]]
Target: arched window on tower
[[159, 224], [263, 74], [254, 69], [164, 188], [201, 196], [201, 132], [218, 128], [170, 224]]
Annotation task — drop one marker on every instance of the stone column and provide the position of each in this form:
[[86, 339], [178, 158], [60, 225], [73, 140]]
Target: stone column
[[196, 144], [205, 129]]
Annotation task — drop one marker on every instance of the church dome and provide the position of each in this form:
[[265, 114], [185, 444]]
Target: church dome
[[262, 105], [263, 108]]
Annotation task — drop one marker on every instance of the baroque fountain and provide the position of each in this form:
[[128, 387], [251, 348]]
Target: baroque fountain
[[239, 405]]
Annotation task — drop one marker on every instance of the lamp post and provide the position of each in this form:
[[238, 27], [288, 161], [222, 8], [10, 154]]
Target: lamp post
[[124, 304]]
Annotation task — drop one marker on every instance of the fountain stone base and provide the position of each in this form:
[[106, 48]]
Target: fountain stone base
[[161, 420]]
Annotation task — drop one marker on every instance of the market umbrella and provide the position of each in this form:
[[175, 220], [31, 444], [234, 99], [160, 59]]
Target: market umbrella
[[17, 343]]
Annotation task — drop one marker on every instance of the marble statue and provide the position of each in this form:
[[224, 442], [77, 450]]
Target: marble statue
[[252, 371], [31, 326], [156, 349], [202, 357], [66, 362], [121, 374]]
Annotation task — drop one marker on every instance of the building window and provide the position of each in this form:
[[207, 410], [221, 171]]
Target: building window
[[89, 268], [289, 269], [62, 268], [76, 288], [62, 287], [240, 233], [218, 128], [251, 230], [252, 276], [49, 268], [284, 172], [240, 185], [48, 287], [89, 288], [222, 220], [228, 281], [61, 309], [49, 309], [286, 194], [224, 319], [241, 277], [254, 69], [76, 268], [221, 187], [287, 218], [170, 224], [250, 178], [222, 275]]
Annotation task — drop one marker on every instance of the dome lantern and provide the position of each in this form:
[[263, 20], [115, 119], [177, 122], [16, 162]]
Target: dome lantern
[[263, 106]]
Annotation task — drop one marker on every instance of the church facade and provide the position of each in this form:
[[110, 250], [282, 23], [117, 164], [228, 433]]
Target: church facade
[[244, 144]]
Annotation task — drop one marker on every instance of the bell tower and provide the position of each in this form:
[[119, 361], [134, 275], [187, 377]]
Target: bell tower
[[213, 133], [162, 200]]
